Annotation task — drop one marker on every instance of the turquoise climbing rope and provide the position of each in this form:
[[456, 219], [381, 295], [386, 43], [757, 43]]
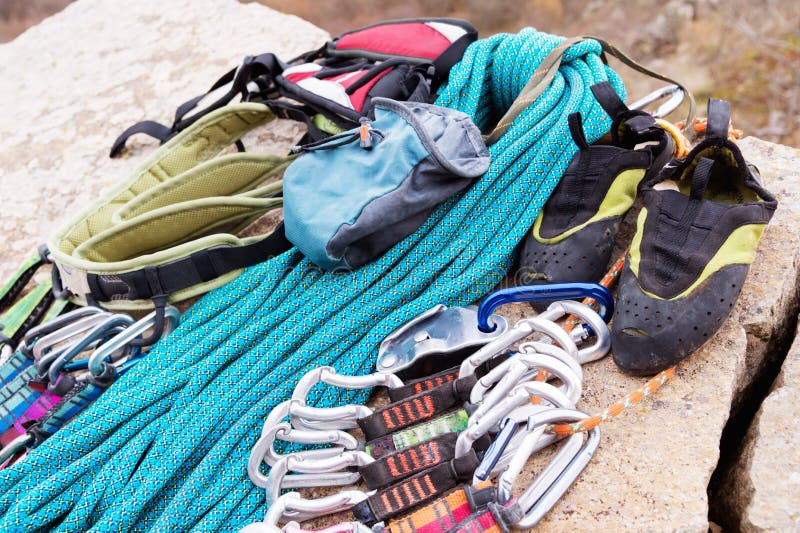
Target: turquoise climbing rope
[[166, 448]]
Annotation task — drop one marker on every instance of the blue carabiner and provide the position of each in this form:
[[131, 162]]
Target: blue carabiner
[[552, 291]]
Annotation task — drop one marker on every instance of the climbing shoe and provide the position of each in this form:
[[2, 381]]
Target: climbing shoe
[[696, 235], [573, 235]]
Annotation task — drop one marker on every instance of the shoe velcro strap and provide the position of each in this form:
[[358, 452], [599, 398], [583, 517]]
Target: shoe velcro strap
[[719, 119]]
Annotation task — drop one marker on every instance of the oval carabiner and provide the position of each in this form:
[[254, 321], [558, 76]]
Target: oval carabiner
[[544, 292], [99, 357], [304, 416], [593, 326], [98, 332]]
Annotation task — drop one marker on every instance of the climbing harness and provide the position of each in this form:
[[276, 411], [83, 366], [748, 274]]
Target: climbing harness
[[331, 88], [167, 233]]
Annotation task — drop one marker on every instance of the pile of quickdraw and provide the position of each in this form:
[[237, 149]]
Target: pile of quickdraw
[[433, 440], [61, 366]]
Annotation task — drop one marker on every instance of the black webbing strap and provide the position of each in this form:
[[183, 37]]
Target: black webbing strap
[[262, 69], [415, 490], [625, 120], [613, 51], [302, 114], [575, 122], [200, 267], [608, 99], [416, 409], [447, 59], [401, 464], [150, 128], [421, 385], [432, 381]]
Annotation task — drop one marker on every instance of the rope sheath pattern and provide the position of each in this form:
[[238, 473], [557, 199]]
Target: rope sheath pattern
[[165, 449]]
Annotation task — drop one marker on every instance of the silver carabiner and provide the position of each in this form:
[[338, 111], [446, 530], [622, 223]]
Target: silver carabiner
[[554, 480], [51, 326], [477, 427], [534, 432], [674, 95], [302, 509], [46, 344], [514, 371], [596, 324], [315, 472], [97, 332], [276, 428], [541, 324], [134, 331], [341, 417]]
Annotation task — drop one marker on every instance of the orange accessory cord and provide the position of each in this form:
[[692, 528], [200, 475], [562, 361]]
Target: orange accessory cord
[[628, 401]]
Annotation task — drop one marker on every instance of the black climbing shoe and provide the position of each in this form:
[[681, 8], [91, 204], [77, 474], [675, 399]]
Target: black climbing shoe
[[697, 233], [573, 235]]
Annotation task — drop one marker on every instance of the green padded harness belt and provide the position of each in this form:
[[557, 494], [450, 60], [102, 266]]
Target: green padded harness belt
[[168, 231]]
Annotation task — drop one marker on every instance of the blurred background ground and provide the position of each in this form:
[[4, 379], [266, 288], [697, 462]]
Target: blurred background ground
[[746, 51]]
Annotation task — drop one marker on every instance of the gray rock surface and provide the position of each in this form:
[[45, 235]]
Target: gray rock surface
[[71, 84], [760, 491], [765, 484]]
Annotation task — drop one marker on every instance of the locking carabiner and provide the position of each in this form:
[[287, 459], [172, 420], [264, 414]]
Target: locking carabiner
[[546, 292]]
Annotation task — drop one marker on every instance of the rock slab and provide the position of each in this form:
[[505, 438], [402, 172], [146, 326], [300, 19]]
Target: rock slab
[[760, 491], [767, 478]]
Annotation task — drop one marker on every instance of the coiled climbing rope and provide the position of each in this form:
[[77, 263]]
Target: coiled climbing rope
[[166, 448]]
